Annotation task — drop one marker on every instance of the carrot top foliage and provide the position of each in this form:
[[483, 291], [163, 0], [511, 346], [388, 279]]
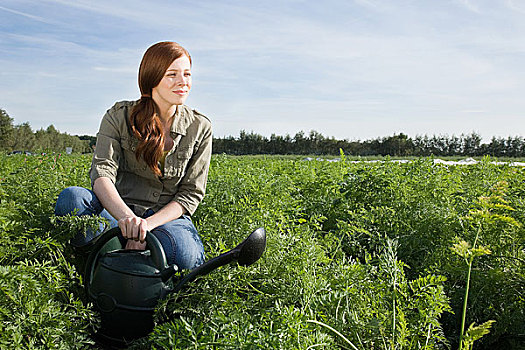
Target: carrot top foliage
[[359, 256]]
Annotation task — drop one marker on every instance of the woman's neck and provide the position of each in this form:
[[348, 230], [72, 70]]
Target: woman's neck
[[166, 114]]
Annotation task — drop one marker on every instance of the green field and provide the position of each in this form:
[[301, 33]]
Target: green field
[[359, 255]]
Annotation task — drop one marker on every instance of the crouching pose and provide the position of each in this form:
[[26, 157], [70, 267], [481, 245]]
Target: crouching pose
[[151, 161]]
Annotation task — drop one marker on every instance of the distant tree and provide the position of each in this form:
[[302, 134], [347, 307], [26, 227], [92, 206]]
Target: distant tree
[[471, 144], [500, 147], [516, 146], [397, 145], [420, 145], [315, 142], [24, 138], [300, 143], [6, 131], [451, 145]]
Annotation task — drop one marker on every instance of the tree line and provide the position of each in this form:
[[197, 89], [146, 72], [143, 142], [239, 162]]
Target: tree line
[[315, 143], [22, 138]]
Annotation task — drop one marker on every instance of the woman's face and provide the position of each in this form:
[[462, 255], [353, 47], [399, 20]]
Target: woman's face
[[175, 86]]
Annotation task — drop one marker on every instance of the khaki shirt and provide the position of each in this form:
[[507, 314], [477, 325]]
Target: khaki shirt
[[185, 168]]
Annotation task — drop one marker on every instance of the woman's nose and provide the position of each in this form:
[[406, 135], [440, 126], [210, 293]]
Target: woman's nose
[[181, 80]]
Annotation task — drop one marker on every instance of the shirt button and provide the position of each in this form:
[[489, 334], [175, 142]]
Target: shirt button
[[132, 148], [170, 161], [155, 194]]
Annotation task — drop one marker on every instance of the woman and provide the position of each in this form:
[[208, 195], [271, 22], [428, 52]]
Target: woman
[[151, 161]]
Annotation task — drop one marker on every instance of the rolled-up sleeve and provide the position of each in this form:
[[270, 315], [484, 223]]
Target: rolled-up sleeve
[[107, 153], [192, 186]]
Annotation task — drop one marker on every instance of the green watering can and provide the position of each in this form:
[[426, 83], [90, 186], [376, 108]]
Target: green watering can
[[126, 285]]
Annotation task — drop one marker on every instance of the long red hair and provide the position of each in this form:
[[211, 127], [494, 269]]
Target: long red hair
[[144, 118]]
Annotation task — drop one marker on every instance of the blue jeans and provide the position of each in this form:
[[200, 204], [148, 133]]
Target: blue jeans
[[179, 238]]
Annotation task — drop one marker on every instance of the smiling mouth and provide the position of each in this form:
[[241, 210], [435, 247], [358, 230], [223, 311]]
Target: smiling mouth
[[180, 92]]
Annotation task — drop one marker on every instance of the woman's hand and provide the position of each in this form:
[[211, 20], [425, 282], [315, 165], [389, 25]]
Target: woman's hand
[[131, 244], [134, 229]]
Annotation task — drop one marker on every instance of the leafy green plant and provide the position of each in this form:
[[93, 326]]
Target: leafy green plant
[[490, 212], [38, 310], [469, 253], [423, 206], [357, 253]]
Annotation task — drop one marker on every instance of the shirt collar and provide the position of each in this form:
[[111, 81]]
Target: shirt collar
[[181, 121]]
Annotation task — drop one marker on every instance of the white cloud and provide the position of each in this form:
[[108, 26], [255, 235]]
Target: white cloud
[[26, 15], [520, 7], [470, 6]]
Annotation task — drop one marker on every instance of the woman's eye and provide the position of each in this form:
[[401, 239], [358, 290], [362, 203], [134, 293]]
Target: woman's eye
[[187, 74]]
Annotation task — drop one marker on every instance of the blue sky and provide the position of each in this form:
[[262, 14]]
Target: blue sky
[[353, 70]]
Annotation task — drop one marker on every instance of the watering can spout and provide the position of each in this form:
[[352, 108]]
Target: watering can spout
[[251, 249], [246, 253]]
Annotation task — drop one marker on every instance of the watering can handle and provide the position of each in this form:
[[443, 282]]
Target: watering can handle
[[157, 253]]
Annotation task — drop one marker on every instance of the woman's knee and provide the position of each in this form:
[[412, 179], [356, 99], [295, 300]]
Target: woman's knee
[[73, 199], [181, 244]]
